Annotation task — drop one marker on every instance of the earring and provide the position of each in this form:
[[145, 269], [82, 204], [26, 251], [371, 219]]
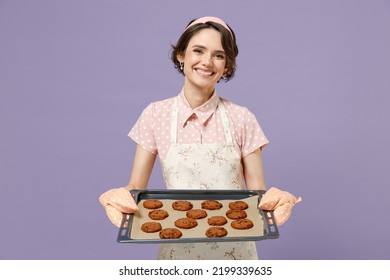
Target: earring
[[224, 75], [181, 65]]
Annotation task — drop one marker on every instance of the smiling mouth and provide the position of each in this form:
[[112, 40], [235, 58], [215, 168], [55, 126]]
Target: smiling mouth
[[205, 73]]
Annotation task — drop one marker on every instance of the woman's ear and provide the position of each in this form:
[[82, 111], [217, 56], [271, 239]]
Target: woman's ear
[[180, 57]]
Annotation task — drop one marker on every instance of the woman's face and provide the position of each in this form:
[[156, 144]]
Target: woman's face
[[204, 60]]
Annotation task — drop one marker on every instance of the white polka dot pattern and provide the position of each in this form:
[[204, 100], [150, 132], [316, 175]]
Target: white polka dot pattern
[[116, 202], [281, 202], [202, 125]]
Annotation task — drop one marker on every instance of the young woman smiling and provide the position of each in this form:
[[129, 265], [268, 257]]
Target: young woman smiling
[[187, 131]]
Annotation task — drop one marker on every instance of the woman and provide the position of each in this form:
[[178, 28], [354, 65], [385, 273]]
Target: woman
[[203, 141]]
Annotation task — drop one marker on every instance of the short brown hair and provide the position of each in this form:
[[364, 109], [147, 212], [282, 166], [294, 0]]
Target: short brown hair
[[228, 40]]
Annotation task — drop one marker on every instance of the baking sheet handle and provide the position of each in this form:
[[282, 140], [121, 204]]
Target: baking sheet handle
[[270, 224]]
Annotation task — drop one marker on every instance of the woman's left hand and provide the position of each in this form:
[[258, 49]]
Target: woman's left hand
[[281, 202]]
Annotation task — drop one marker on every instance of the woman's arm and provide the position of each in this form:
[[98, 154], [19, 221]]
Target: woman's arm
[[142, 168], [253, 171], [117, 201]]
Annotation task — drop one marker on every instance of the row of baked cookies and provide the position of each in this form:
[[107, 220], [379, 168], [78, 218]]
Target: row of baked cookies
[[236, 213], [169, 233], [161, 214], [216, 231], [184, 205]]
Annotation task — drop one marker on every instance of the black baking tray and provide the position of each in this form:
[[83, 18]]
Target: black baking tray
[[270, 228]]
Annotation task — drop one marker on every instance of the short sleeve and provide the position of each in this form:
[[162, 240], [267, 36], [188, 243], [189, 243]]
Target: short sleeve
[[143, 130], [252, 135]]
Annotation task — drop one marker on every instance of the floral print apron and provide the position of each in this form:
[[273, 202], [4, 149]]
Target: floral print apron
[[204, 166]]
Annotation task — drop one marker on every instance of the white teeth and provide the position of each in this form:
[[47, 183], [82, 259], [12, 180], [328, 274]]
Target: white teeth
[[205, 73]]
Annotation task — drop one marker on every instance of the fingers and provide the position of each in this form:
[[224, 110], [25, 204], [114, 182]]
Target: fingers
[[281, 202], [114, 215], [123, 201], [282, 213], [116, 202], [274, 198], [270, 199], [120, 199]]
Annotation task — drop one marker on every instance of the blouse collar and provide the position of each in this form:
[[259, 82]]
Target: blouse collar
[[203, 112]]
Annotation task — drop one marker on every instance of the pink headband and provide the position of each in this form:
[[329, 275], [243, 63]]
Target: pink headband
[[212, 19]]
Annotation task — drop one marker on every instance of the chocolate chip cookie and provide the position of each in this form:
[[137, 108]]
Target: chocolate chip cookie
[[150, 227], [182, 205], [169, 233], [216, 232], [217, 221], [152, 204], [238, 205], [158, 214], [236, 214], [186, 223], [196, 214], [211, 205], [242, 224]]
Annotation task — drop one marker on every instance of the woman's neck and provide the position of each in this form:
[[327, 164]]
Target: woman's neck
[[196, 97]]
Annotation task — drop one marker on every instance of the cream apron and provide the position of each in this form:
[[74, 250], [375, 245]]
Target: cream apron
[[204, 166]]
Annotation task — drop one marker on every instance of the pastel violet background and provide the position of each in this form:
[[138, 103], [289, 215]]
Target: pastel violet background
[[76, 74]]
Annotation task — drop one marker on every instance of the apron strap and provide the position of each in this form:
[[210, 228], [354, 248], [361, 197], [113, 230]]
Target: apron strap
[[174, 116], [225, 122]]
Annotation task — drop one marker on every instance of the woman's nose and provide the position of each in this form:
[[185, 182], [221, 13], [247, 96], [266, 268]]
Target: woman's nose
[[207, 60]]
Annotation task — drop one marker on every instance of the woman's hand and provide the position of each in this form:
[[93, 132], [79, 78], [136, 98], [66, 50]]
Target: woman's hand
[[116, 202], [281, 202]]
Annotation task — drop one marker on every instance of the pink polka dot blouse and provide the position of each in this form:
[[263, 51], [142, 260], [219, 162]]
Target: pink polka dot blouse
[[202, 125]]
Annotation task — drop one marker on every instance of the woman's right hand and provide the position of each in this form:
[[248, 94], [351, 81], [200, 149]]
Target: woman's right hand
[[116, 202], [281, 202]]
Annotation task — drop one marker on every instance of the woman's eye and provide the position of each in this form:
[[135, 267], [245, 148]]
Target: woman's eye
[[220, 56], [197, 51]]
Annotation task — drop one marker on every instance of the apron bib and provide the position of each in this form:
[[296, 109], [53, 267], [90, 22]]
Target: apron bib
[[204, 166]]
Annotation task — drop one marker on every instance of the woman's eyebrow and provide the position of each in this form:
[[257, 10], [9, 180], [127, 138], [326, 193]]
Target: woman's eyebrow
[[203, 47]]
